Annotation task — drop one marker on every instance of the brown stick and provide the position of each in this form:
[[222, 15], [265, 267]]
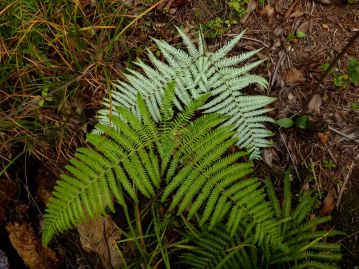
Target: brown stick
[[334, 62]]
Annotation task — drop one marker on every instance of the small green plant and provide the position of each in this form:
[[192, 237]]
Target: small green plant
[[329, 164], [183, 164], [353, 70], [354, 106], [342, 80], [301, 122], [239, 6], [285, 122], [295, 35], [218, 27]]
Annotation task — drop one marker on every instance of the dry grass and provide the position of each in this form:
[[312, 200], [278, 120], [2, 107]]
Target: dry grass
[[57, 58]]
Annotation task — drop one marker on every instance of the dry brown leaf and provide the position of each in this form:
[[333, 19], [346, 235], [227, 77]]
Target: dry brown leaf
[[296, 14], [270, 155], [22, 237], [290, 9], [325, 26], [278, 8], [252, 5], [315, 103], [324, 137], [304, 27], [276, 44], [169, 4], [293, 75], [260, 55], [101, 236], [267, 10], [328, 204]]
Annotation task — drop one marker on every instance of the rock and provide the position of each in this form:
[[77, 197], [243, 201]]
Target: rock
[[4, 264]]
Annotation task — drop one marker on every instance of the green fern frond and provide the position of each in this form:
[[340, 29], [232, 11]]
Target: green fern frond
[[122, 159], [306, 244], [197, 71], [306, 247], [216, 185], [217, 249], [133, 156]]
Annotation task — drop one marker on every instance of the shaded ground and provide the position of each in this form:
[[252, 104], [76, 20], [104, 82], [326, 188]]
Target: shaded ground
[[324, 156]]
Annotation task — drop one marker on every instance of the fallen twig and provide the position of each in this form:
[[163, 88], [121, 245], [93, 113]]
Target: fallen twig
[[343, 134], [344, 184]]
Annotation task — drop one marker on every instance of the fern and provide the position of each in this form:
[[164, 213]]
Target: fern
[[185, 160], [216, 248], [154, 145], [197, 71], [135, 156], [307, 246]]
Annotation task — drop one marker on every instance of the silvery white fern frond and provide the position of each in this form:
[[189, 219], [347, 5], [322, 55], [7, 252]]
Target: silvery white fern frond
[[197, 71]]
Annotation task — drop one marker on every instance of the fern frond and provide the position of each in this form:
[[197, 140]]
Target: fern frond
[[305, 247], [192, 50], [217, 249], [215, 185], [196, 71], [273, 198], [305, 242], [121, 159], [222, 52]]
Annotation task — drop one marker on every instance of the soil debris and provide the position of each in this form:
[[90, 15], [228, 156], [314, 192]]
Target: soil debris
[[296, 14], [315, 103], [293, 75], [7, 191], [328, 204], [101, 236], [252, 5], [28, 246]]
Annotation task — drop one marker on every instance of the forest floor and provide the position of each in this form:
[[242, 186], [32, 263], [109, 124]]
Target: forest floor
[[58, 61]]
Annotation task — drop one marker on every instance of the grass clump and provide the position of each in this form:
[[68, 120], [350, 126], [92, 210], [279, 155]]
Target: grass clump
[[56, 59]]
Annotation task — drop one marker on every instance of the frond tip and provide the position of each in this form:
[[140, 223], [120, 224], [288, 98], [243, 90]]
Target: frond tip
[[197, 71]]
